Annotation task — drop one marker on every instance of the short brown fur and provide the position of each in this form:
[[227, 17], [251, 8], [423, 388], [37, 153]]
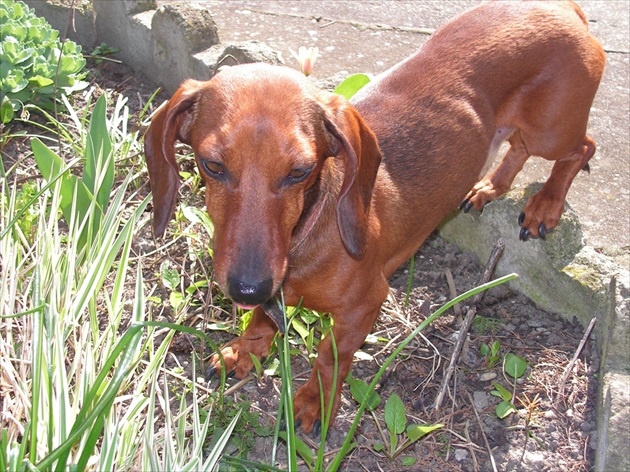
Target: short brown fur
[[325, 199]]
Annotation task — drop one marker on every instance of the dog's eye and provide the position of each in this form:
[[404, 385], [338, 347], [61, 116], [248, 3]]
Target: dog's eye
[[213, 168], [298, 175]]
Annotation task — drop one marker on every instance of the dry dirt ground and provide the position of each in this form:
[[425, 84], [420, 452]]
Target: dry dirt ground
[[554, 428]]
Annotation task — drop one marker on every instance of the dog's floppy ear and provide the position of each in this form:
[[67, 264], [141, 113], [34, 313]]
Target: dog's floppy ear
[[358, 148], [171, 123]]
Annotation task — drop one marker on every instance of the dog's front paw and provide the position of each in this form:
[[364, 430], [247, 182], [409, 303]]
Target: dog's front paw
[[236, 357], [307, 405]]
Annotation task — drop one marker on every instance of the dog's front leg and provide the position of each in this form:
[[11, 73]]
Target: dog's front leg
[[256, 340], [349, 333]]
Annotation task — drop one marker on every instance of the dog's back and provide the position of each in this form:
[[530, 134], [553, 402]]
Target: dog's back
[[503, 66]]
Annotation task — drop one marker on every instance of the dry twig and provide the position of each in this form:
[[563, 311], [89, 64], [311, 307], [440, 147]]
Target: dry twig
[[470, 315], [571, 364]]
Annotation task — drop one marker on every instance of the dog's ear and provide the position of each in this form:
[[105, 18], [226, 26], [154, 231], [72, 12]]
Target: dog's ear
[[358, 148], [170, 124]]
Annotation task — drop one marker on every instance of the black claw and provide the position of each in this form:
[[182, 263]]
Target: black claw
[[468, 206], [521, 218], [542, 231], [210, 373], [297, 423], [283, 425], [524, 234], [317, 426], [213, 372], [463, 204]]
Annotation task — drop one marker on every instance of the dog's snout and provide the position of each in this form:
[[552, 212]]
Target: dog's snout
[[249, 293]]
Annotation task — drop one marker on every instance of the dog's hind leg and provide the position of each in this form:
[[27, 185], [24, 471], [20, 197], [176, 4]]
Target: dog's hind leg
[[542, 211], [500, 180]]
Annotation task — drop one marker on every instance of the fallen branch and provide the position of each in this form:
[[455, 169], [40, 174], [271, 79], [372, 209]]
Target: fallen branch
[[470, 315]]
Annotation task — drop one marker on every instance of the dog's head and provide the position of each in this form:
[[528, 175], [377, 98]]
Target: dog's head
[[261, 137]]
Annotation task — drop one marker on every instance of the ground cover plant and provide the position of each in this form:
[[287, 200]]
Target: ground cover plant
[[105, 330], [35, 64]]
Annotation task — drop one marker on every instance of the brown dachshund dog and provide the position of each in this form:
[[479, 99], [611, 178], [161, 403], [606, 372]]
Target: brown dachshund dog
[[324, 199]]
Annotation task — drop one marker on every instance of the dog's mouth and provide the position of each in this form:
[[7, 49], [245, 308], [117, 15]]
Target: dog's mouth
[[272, 309]]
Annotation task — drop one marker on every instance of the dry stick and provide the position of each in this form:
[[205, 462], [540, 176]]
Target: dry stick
[[453, 291], [470, 315], [483, 433], [569, 367]]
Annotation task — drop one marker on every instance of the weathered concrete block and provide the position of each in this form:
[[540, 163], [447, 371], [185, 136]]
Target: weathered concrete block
[[248, 52], [132, 7], [183, 28], [178, 32], [559, 265]]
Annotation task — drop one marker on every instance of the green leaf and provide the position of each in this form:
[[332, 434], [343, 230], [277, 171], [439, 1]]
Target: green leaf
[[501, 392], [359, 389], [515, 366], [6, 110], [351, 85], [301, 448], [408, 461], [98, 174], [395, 415], [300, 328], [378, 446], [484, 350], [503, 409], [40, 82], [170, 276], [176, 299], [72, 189], [256, 362], [416, 431]]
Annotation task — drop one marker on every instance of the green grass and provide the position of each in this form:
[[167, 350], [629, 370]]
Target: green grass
[[81, 358]]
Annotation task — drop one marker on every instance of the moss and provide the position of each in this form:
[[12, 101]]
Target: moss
[[585, 275]]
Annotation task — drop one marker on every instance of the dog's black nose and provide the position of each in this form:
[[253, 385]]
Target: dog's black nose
[[249, 293]]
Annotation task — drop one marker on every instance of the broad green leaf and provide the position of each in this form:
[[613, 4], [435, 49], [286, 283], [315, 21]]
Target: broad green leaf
[[359, 389], [170, 276], [378, 446], [40, 82], [504, 408], [515, 366], [72, 189], [176, 299], [408, 461], [6, 110], [484, 350], [501, 392], [351, 85], [395, 415], [98, 174], [300, 328], [416, 431]]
